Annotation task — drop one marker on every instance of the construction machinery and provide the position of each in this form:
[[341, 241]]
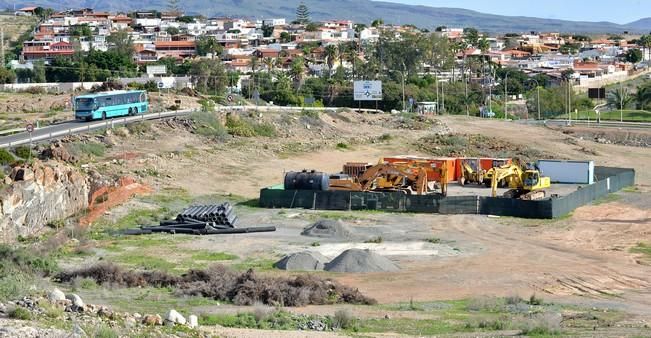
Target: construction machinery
[[525, 182], [410, 177], [471, 172]]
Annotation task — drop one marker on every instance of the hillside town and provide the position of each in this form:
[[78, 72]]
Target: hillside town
[[246, 46]]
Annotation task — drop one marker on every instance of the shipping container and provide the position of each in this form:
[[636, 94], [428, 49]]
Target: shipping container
[[488, 163], [569, 172], [437, 162]]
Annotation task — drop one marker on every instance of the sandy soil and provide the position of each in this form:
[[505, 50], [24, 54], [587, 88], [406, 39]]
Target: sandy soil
[[582, 259]]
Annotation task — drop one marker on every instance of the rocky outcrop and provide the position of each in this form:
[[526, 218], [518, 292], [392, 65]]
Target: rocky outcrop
[[40, 194]]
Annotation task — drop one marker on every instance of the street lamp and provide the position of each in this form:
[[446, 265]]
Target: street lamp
[[404, 68], [506, 95], [538, 94]]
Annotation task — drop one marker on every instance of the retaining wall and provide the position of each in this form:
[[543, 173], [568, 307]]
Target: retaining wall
[[608, 180]]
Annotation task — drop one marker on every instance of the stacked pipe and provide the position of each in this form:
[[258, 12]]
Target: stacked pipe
[[201, 220], [221, 215]]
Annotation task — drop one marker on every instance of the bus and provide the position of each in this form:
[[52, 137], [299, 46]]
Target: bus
[[110, 104]]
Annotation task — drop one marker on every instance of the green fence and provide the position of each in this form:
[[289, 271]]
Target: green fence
[[608, 180]]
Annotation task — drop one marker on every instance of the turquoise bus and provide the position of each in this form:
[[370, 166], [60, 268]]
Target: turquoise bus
[[110, 104]]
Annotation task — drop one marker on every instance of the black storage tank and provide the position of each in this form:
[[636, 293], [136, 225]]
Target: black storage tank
[[306, 180]]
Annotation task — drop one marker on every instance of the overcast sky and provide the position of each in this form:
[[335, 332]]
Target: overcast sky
[[619, 11]]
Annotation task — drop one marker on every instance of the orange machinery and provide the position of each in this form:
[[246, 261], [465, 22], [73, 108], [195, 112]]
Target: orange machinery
[[450, 163], [408, 176]]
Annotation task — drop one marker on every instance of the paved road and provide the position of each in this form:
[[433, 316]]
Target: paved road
[[602, 124], [77, 127]]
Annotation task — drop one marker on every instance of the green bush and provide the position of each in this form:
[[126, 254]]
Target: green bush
[[342, 145], [139, 127], [208, 125], [20, 313], [23, 152], [264, 129], [89, 149], [6, 157], [239, 127], [23, 260], [14, 284]]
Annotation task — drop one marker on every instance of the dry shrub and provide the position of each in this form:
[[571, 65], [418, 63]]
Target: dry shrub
[[222, 283]]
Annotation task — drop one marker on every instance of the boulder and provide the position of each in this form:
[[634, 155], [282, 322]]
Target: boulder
[[174, 317], [56, 295], [152, 320], [77, 302], [193, 321]]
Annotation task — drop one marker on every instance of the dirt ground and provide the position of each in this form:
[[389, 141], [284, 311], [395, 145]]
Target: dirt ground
[[581, 259]]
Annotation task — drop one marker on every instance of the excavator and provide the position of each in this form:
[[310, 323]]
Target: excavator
[[471, 172], [410, 177], [524, 182]]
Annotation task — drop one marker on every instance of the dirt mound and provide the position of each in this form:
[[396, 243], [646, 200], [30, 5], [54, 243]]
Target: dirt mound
[[326, 228], [357, 260], [302, 261]]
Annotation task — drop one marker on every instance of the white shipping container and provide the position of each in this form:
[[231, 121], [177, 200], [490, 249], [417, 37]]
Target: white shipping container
[[569, 172]]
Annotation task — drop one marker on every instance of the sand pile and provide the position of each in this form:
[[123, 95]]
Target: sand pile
[[357, 260], [302, 261], [327, 229]]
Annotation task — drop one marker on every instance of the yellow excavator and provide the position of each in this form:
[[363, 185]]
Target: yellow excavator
[[524, 182], [471, 172]]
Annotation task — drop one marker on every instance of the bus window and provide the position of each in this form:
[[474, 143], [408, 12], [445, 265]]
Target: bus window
[[84, 104]]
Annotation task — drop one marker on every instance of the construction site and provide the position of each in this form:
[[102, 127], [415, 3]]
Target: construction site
[[325, 229], [544, 189]]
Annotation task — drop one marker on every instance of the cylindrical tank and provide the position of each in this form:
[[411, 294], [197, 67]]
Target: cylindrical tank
[[306, 180]]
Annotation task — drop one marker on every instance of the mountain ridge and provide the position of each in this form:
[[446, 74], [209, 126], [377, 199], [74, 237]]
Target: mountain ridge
[[363, 11]]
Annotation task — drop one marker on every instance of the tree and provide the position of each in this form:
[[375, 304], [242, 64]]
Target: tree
[[185, 19], [645, 41], [297, 69], [7, 75], [38, 72], [267, 30], [643, 96], [209, 76], [567, 74], [270, 63], [172, 30], [331, 53], [174, 5], [484, 45], [619, 98], [302, 14], [633, 55], [121, 42], [285, 37], [312, 27], [471, 36], [569, 48], [377, 23], [208, 45]]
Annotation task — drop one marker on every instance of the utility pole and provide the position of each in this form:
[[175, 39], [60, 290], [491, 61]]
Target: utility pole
[[621, 102], [2, 46], [404, 105], [538, 89], [506, 95]]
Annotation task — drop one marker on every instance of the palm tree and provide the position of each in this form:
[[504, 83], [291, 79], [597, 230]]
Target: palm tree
[[484, 45], [331, 52], [297, 69], [270, 63], [619, 98], [643, 96]]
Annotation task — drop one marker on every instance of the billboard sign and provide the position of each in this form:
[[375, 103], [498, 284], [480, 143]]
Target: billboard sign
[[156, 70], [367, 90], [597, 93]]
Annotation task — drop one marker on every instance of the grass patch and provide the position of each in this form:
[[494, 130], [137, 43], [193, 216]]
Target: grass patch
[[6, 157], [265, 129], [23, 152], [207, 124], [90, 149], [433, 240], [239, 127], [257, 264], [375, 240], [607, 199], [20, 313], [213, 256], [144, 262], [642, 248], [343, 146]]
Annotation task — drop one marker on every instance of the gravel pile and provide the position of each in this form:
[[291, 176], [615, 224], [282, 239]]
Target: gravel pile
[[357, 260], [326, 228], [302, 261]]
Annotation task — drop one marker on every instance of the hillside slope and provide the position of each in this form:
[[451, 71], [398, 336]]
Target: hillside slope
[[359, 11]]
